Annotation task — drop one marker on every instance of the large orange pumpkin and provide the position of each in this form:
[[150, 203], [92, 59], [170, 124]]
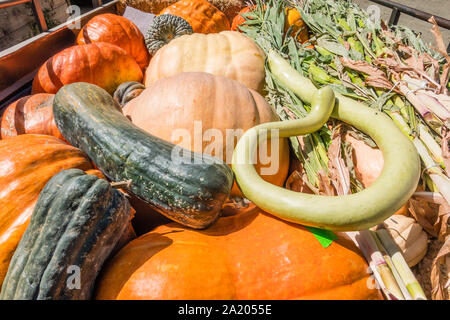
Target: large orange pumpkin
[[250, 255], [102, 64], [228, 53], [119, 31], [27, 162], [200, 14], [191, 105], [30, 114]]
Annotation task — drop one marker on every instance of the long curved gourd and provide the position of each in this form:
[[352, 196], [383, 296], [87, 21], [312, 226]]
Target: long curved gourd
[[187, 187], [358, 211]]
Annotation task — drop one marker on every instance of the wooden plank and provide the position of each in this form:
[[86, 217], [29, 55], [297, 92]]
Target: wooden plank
[[39, 15], [25, 58], [11, 3]]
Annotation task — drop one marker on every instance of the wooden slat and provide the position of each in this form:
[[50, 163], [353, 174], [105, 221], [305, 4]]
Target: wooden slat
[[11, 3], [39, 15]]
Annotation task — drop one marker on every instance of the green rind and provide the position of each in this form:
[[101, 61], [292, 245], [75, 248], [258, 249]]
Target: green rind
[[77, 221], [189, 193]]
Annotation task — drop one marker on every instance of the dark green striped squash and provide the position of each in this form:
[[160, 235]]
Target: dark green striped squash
[[76, 223], [189, 189]]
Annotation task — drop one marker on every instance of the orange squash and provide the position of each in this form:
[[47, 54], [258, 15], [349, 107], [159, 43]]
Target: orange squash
[[186, 108], [119, 31], [201, 15], [30, 114], [27, 162], [249, 255], [102, 64]]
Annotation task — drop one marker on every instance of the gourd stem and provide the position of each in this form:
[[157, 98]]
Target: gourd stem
[[122, 184]]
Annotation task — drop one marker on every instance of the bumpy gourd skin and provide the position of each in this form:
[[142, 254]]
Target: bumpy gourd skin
[[190, 192], [163, 29], [77, 221], [362, 210]]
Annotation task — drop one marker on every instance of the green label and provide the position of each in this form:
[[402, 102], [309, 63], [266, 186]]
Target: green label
[[325, 237]]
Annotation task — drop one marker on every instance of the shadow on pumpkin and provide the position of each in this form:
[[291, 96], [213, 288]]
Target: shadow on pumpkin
[[52, 78], [146, 218], [19, 117], [158, 242]]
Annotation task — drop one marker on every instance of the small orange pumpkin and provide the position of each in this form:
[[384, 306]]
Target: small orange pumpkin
[[30, 114], [119, 31], [102, 64], [249, 255], [200, 14]]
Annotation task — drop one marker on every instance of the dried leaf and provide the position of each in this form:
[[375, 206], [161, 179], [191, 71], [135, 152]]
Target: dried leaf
[[446, 149], [438, 291], [381, 83], [325, 185], [426, 214], [362, 66], [338, 171], [443, 51]]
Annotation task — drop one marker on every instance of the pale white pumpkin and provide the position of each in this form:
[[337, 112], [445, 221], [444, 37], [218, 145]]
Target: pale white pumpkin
[[228, 53]]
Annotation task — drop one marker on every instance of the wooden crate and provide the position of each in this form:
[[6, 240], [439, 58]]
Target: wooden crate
[[18, 23]]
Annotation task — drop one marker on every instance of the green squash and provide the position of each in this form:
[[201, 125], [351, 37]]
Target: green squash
[[76, 223], [187, 187]]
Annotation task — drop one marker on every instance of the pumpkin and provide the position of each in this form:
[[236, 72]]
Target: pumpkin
[[200, 14], [30, 114], [190, 192], [127, 91], [239, 19], [221, 106], [292, 18], [119, 31], [248, 255], [103, 64], [77, 221], [228, 53], [409, 236], [229, 7], [27, 162], [368, 161], [163, 29]]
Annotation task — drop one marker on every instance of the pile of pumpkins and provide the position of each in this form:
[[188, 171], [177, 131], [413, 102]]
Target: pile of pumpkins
[[60, 206]]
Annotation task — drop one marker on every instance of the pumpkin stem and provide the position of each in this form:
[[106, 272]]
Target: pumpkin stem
[[122, 184]]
